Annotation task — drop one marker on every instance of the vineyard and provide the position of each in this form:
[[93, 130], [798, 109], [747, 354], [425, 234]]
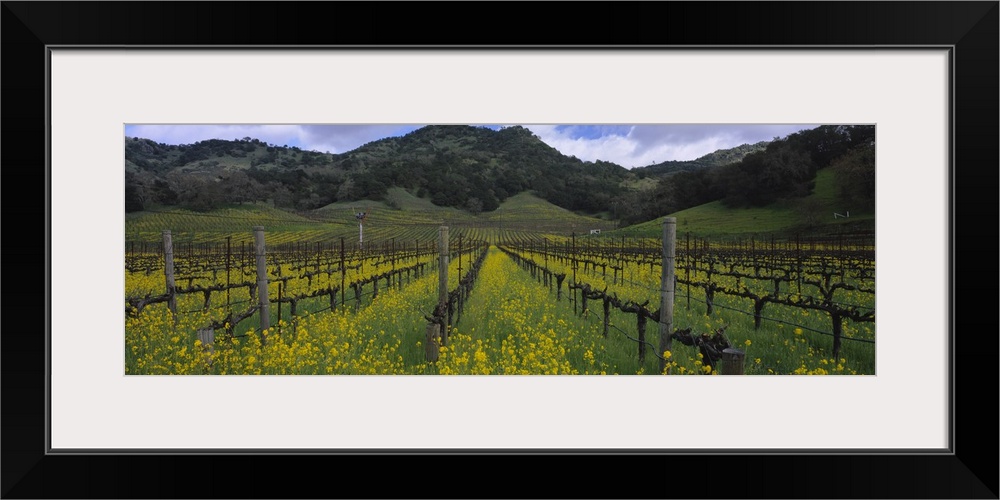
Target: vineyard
[[520, 216], [310, 298]]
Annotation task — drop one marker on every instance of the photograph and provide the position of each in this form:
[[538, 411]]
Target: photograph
[[413, 253], [513, 249], [532, 263]]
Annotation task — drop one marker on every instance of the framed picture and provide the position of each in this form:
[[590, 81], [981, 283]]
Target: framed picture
[[924, 74]]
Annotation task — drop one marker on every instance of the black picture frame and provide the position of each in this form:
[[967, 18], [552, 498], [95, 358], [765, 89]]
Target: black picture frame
[[971, 28]]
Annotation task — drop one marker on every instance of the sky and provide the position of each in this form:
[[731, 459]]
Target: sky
[[627, 145]]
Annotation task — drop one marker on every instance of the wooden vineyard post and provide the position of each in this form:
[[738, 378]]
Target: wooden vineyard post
[[265, 306], [431, 342], [443, 280], [798, 258], [398, 278], [732, 361], [574, 271], [667, 288], [343, 272], [548, 275], [838, 326], [771, 255], [460, 275], [207, 338], [168, 272], [228, 254], [687, 268]]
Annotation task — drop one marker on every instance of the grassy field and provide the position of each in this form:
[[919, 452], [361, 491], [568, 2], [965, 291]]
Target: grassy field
[[403, 216]]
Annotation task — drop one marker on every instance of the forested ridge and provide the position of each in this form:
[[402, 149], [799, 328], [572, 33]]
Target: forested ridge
[[477, 168]]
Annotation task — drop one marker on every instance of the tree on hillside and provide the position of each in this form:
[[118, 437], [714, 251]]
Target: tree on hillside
[[282, 196], [854, 176], [368, 185], [345, 190], [196, 192], [135, 194], [788, 172], [160, 192], [737, 181], [781, 171], [828, 142], [474, 205], [626, 211], [239, 187]]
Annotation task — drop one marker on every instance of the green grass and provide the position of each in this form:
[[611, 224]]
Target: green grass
[[783, 217], [398, 200], [404, 216], [644, 184], [518, 326], [527, 212], [213, 226]]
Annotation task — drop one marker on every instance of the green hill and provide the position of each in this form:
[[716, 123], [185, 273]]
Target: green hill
[[465, 167], [404, 213], [811, 215], [399, 207], [714, 159], [404, 216], [479, 177]]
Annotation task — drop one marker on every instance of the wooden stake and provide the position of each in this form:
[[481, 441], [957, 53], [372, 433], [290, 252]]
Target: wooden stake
[[207, 338], [228, 254], [443, 276], [667, 287], [343, 272], [265, 305], [168, 271], [431, 349], [732, 361]]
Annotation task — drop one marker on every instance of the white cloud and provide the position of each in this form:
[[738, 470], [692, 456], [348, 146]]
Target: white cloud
[[609, 147], [342, 138], [648, 144]]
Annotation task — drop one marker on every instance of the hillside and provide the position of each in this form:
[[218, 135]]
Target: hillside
[[411, 218], [469, 168], [714, 159], [472, 175], [812, 215]]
